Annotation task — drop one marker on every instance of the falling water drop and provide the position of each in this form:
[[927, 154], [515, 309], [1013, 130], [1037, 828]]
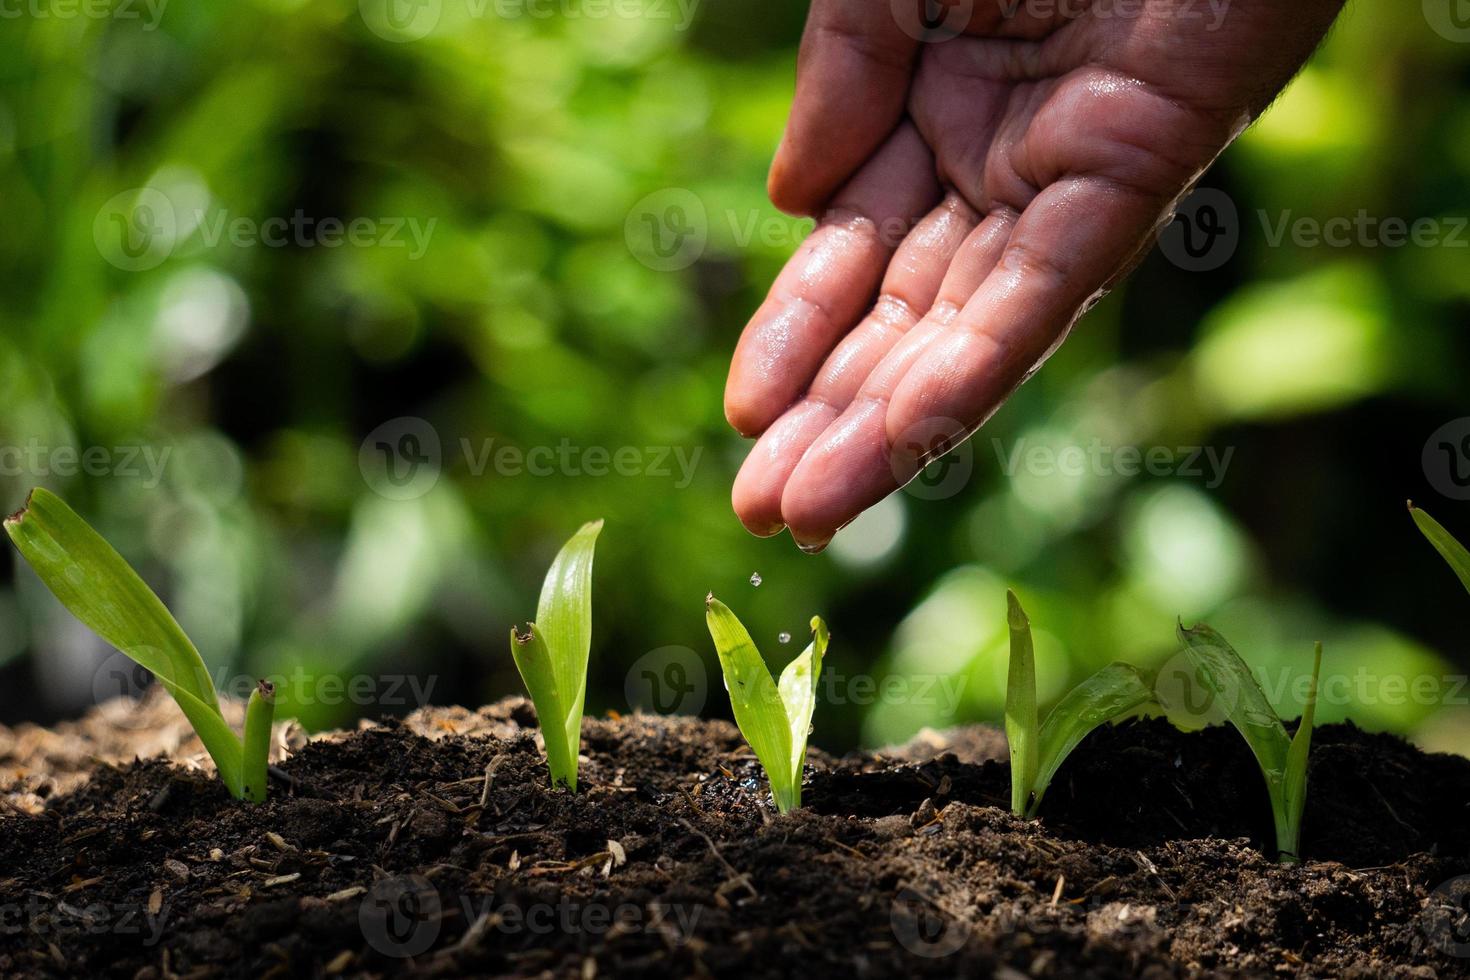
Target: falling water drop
[[755, 579], [785, 637]]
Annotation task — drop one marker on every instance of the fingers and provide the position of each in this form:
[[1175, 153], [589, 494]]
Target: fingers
[[850, 467], [944, 379], [1070, 242], [909, 289], [851, 85], [829, 283]]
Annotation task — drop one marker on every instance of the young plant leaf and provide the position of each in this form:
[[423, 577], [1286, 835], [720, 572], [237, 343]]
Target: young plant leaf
[[1225, 675], [534, 660], [1294, 793], [1037, 751], [798, 689], [1115, 690], [552, 653], [1022, 733], [1445, 543], [256, 745], [101, 589], [774, 718], [1282, 759]]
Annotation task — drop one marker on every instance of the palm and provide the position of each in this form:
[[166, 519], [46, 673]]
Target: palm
[[1029, 163]]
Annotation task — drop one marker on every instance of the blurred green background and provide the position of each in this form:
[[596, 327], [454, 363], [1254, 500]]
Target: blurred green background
[[505, 289]]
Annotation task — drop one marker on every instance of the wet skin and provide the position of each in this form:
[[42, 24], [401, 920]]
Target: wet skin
[[974, 197]]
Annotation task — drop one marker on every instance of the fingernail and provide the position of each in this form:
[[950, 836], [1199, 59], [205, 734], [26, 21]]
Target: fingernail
[[811, 547], [767, 530]]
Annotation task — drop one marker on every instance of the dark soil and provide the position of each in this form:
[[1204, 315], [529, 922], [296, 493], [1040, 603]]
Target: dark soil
[[434, 846]]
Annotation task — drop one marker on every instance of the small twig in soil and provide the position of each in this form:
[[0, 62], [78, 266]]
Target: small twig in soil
[[735, 875], [1150, 868], [490, 768], [297, 786], [470, 939], [851, 850]]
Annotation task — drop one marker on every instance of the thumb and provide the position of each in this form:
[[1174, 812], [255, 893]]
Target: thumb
[[852, 81]]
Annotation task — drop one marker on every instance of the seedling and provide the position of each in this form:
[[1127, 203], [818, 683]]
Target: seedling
[[1444, 542], [1038, 751], [775, 717], [1282, 758], [552, 652], [102, 590]]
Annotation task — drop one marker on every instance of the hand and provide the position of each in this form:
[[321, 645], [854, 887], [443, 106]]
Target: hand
[[987, 190]]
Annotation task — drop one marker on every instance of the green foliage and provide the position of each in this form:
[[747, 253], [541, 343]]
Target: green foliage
[[775, 717], [551, 653], [529, 143], [1445, 543], [1037, 753], [101, 589], [1282, 758]]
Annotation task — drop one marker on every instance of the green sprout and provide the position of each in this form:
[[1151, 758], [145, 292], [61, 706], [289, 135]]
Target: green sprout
[[101, 589], [551, 653], [1037, 751], [1444, 542], [1282, 758], [775, 717]]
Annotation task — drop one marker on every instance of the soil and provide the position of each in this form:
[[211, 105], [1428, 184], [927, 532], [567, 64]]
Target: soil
[[434, 846]]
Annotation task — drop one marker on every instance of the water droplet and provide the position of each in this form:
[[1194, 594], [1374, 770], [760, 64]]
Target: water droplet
[[784, 637], [755, 579]]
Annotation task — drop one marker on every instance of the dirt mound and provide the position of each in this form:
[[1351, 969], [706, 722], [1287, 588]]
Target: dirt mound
[[435, 846]]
